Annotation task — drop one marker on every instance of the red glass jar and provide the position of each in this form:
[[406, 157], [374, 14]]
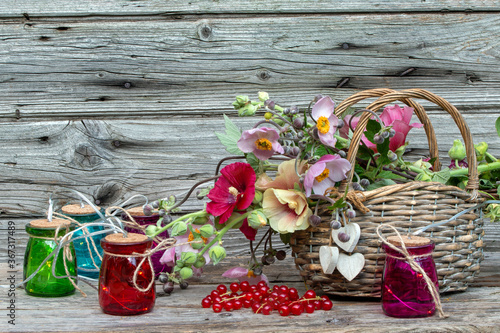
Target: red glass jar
[[117, 292], [405, 293], [143, 220]]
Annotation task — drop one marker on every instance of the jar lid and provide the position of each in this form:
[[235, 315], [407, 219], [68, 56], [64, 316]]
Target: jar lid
[[409, 241], [131, 238], [77, 209], [137, 211], [46, 224]]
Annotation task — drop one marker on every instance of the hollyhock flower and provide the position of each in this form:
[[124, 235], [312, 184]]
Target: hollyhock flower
[[286, 177], [461, 164], [287, 210], [399, 118], [262, 142], [326, 121], [244, 274], [325, 173], [235, 188], [174, 253]]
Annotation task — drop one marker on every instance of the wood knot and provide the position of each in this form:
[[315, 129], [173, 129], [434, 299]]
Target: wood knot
[[205, 32], [86, 156], [264, 75]]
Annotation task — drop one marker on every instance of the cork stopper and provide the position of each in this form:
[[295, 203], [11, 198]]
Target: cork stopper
[[131, 238], [137, 211], [409, 242], [76, 209], [45, 224]]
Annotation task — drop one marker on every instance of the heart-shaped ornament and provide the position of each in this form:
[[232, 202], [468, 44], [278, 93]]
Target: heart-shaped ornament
[[328, 257], [350, 265], [353, 230]]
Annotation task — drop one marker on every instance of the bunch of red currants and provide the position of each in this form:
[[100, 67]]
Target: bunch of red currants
[[263, 299]]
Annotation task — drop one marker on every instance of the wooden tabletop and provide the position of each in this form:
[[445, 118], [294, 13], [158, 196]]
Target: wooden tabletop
[[476, 310]]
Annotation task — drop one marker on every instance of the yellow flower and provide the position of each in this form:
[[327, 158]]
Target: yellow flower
[[287, 210]]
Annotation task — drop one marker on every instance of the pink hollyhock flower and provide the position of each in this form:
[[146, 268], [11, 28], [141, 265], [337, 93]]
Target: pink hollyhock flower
[[235, 188], [243, 274], [325, 173], [262, 142], [326, 121], [174, 253], [286, 177], [399, 118], [286, 210]]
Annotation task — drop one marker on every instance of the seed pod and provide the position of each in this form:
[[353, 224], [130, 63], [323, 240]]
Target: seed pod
[[155, 204], [270, 259], [351, 214], [148, 210], [364, 182], [263, 260], [168, 287], [385, 134], [280, 255], [163, 278], [257, 271], [343, 237], [184, 284], [340, 123], [298, 122], [314, 220], [378, 139]]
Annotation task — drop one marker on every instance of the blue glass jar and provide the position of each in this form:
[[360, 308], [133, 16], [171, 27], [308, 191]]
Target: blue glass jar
[[88, 255], [41, 243]]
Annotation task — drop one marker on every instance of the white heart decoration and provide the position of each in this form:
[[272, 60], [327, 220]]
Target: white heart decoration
[[328, 257], [350, 265], [353, 230]]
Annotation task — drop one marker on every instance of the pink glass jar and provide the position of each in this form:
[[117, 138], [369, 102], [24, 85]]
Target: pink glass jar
[[117, 293], [405, 293], [145, 221]]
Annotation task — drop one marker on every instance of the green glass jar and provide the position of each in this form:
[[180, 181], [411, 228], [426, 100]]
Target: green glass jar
[[87, 254], [41, 243]]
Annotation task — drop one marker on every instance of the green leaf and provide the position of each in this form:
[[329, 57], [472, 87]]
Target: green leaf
[[386, 174], [231, 137], [380, 183], [254, 162], [340, 203], [497, 126], [442, 176], [372, 128], [285, 238]]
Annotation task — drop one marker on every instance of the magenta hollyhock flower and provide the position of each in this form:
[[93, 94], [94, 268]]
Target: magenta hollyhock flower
[[399, 118], [262, 142], [326, 121], [244, 274], [235, 188], [325, 173], [248, 231]]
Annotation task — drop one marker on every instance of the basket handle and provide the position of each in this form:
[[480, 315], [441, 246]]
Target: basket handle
[[419, 111], [473, 183]]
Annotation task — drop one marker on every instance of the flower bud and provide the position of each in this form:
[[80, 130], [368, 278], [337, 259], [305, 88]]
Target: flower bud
[[270, 104], [294, 109], [392, 156], [340, 123], [167, 219], [178, 229], [189, 258], [423, 177], [247, 110], [257, 271], [335, 225], [257, 219], [207, 231], [357, 187], [155, 204], [378, 139], [314, 220], [200, 262], [198, 244], [286, 111], [268, 115], [385, 134], [186, 272], [298, 122], [392, 132], [281, 255], [216, 254], [481, 148], [257, 198], [421, 164], [263, 96], [457, 151], [295, 151], [351, 214], [168, 287], [241, 100], [163, 278], [151, 230], [343, 237], [162, 212], [317, 98], [364, 182], [300, 134], [148, 210]]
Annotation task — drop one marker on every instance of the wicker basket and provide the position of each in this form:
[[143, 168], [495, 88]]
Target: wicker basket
[[408, 206]]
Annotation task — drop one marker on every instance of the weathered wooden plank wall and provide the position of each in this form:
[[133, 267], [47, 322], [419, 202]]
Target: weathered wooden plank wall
[[115, 98]]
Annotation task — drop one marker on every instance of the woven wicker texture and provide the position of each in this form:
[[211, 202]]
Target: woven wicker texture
[[407, 207]]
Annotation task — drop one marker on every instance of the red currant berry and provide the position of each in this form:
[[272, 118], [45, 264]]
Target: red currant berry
[[237, 304], [214, 294], [257, 296], [266, 310], [325, 298], [209, 297], [206, 303], [247, 303], [228, 306], [297, 309], [327, 305], [310, 308], [263, 290], [235, 287], [249, 296], [245, 286], [310, 294], [217, 307], [274, 294], [276, 305], [284, 310], [284, 289], [262, 284], [256, 307], [283, 298], [317, 304], [276, 288], [222, 289], [217, 299], [253, 288], [293, 293]]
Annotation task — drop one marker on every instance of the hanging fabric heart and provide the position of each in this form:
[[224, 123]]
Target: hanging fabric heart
[[350, 265], [353, 231], [328, 257]]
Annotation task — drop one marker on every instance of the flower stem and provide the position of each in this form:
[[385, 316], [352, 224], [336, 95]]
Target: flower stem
[[481, 168], [200, 213], [223, 231]]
